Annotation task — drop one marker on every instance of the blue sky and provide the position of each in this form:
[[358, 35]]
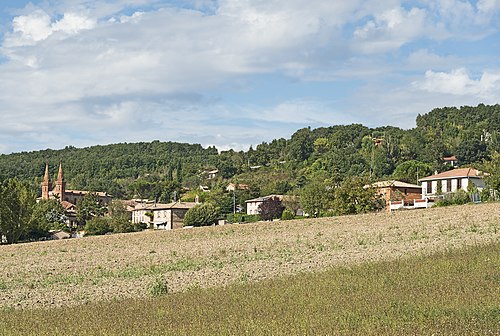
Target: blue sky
[[234, 73]]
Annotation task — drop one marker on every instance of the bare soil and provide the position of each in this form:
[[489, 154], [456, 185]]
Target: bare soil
[[78, 271]]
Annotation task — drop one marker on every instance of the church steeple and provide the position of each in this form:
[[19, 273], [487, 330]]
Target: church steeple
[[60, 188], [46, 183]]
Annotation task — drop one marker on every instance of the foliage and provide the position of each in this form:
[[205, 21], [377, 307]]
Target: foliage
[[17, 202], [98, 226], [287, 215], [201, 215], [120, 221], [316, 198], [458, 197], [410, 171], [492, 167], [351, 197], [88, 208], [271, 208], [48, 214], [158, 287]]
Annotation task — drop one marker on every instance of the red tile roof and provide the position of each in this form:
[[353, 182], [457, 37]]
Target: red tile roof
[[454, 173]]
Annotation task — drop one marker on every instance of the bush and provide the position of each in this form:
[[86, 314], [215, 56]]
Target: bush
[[287, 215], [158, 287], [201, 215], [98, 226], [458, 197], [271, 208]]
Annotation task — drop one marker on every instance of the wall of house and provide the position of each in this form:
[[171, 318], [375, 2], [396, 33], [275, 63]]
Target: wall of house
[[178, 218], [253, 208], [454, 185]]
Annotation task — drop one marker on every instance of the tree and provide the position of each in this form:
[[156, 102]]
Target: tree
[[271, 208], [88, 208], [351, 197], [48, 214], [470, 151], [120, 219], [492, 167], [17, 201], [98, 226], [201, 215], [316, 198], [410, 171]]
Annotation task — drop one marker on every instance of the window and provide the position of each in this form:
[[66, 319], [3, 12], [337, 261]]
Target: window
[[459, 183], [448, 185], [429, 187]]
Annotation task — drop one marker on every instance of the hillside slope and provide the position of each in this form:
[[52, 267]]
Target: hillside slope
[[60, 273]]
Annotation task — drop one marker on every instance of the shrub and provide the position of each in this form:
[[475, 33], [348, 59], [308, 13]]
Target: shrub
[[98, 226], [456, 198], [287, 215], [201, 215], [271, 208], [158, 287]]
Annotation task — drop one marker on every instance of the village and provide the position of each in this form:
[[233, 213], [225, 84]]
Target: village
[[395, 195]]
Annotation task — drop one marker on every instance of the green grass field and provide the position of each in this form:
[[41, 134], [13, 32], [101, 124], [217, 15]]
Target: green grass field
[[449, 293]]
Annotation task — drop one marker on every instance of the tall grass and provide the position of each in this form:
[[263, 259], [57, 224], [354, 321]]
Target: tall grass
[[451, 293]]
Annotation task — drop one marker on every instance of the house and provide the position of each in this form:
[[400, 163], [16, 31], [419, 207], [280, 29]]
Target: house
[[164, 216], [237, 186], [253, 204], [212, 174], [451, 181], [451, 161], [393, 190]]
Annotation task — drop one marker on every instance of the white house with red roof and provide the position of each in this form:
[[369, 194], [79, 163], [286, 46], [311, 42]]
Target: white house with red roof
[[451, 181]]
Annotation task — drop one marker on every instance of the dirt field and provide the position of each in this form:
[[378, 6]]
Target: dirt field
[[59, 273]]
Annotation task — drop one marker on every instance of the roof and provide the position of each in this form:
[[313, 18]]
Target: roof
[[163, 206], [84, 192], [67, 205], [454, 173], [394, 183], [263, 198], [450, 158]]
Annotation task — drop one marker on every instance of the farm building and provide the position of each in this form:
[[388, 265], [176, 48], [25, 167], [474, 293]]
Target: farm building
[[393, 190], [162, 216]]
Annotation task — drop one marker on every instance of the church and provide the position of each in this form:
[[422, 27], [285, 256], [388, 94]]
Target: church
[[69, 199]]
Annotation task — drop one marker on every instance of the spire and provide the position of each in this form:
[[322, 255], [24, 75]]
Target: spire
[[46, 176], [46, 183], [60, 189], [60, 176]]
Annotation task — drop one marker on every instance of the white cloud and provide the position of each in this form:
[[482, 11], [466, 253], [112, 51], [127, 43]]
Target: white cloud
[[125, 70], [38, 26], [459, 82], [393, 28]]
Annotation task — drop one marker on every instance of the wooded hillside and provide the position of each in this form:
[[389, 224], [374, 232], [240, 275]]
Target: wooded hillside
[[330, 154]]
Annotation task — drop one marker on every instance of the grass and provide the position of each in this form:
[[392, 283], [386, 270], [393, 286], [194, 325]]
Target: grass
[[454, 292], [76, 271]]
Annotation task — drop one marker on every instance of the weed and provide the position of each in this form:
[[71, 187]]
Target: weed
[[158, 287]]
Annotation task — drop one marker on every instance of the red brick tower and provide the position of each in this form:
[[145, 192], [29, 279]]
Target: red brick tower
[[60, 184], [46, 183]]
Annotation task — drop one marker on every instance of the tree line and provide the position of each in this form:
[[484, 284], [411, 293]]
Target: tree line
[[324, 166]]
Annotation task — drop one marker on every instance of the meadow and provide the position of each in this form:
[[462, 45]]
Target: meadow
[[410, 272]]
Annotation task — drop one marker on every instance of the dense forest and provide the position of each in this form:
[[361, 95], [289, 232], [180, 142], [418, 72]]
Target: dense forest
[[327, 155]]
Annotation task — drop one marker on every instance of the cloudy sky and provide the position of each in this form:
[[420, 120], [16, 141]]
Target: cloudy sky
[[232, 73]]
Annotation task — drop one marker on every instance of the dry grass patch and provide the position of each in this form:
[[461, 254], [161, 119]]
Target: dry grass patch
[[72, 272], [449, 293]]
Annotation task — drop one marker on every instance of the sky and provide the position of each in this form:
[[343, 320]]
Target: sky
[[235, 73]]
